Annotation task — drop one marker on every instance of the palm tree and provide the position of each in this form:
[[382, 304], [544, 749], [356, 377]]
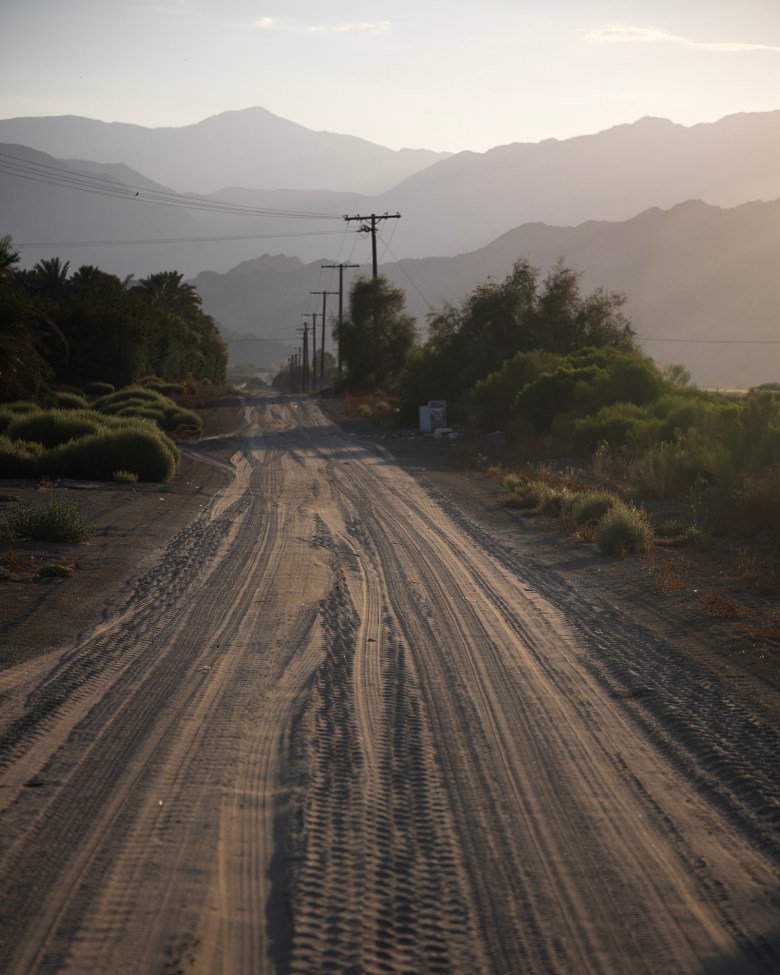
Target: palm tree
[[167, 291], [50, 277]]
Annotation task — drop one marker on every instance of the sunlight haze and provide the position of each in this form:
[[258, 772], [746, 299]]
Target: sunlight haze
[[444, 76]]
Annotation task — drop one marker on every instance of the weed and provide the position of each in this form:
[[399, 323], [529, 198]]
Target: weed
[[125, 477], [671, 575], [723, 607], [623, 529], [54, 521], [13, 562], [590, 506]]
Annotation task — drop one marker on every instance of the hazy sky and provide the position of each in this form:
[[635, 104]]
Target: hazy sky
[[434, 74]]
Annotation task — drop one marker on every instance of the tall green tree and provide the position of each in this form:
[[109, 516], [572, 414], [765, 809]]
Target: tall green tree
[[29, 339], [378, 334], [168, 291], [49, 278], [522, 313]]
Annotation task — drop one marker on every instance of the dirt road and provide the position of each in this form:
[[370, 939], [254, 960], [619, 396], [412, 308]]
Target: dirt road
[[339, 728]]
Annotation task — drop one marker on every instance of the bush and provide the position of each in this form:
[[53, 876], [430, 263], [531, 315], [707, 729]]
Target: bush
[[70, 401], [54, 521], [149, 404], [139, 449], [589, 506], [555, 501], [136, 395], [53, 427], [617, 425], [19, 458], [623, 529], [10, 411]]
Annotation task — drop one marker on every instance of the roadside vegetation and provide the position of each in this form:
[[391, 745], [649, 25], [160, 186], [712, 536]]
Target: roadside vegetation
[[553, 397], [99, 378]]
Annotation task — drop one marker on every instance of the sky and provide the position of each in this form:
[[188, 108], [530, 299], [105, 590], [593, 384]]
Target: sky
[[447, 75]]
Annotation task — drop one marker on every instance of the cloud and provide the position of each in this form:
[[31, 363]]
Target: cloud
[[372, 28], [649, 35], [265, 22]]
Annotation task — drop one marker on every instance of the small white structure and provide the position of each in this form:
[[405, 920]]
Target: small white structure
[[433, 416]]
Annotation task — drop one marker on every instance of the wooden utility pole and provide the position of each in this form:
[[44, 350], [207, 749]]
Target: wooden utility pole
[[370, 228], [322, 341], [313, 316], [341, 300]]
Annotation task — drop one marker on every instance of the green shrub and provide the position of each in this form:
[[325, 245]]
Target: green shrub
[[52, 427], [513, 483], [10, 411], [589, 506], [176, 416], [137, 395], [623, 529], [164, 387], [765, 452], [617, 425], [54, 521], [137, 448], [70, 401], [19, 458], [149, 404], [555, 501]]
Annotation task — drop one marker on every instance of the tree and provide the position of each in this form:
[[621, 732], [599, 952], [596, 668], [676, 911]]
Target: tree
[[49, 278], [29, 339], [167, 291], [377, 336], [522, 313]]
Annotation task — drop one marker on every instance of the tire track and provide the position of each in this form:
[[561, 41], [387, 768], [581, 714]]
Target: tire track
[[374, 881]]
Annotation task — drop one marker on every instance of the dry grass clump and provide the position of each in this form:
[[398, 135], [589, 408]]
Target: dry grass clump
[[671, 575], [722, 607]]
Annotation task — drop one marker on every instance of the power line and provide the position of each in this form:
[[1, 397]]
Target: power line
[[409, 278], [105, 186], [174, 240]]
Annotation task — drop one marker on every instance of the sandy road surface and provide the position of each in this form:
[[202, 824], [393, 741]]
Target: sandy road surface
[[338, 728]]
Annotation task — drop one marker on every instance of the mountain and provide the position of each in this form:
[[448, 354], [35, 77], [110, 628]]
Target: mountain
[[456, 205], [470, 199], [701, 284], [251, 148]]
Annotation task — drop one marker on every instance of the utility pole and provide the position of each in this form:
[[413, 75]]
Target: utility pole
[[370, 228], [305, 358], [322, 342], [313, 316], [341, 299]]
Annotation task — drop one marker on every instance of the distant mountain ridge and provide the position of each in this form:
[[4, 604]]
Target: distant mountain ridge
[[455, 205], [252, 148]]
